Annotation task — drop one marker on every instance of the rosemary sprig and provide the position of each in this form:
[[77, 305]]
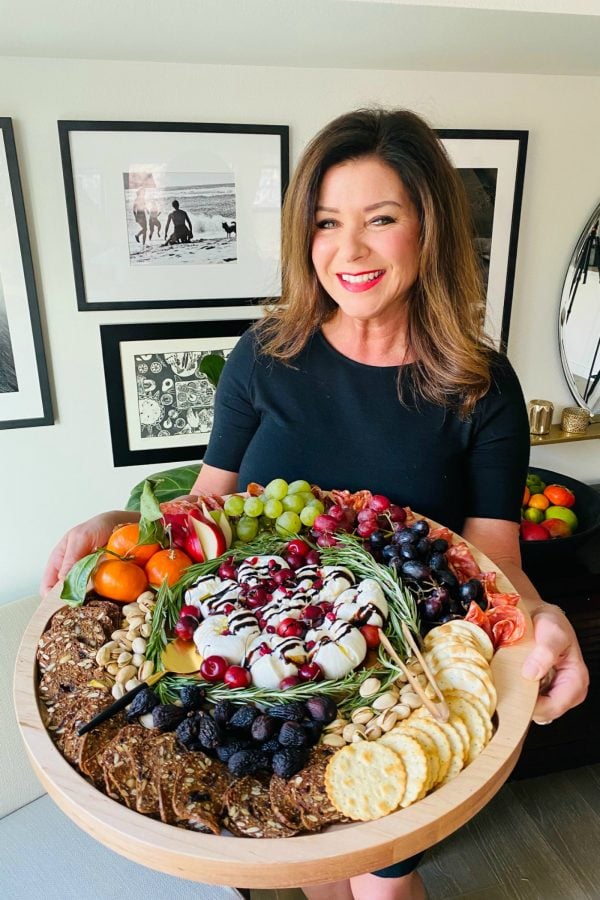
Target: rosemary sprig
[[344, 691], [169, 603], [402, 606]]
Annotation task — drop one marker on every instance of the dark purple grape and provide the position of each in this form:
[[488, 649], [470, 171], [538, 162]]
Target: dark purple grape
[[389, 552], [420, 527], [422, 547], [431, 609], [418, 571], [443, 595], [377, 540], [408, 551], [450, 617], [440, 545], [470, 590], [437, 561], [404, 537], [446, 577]]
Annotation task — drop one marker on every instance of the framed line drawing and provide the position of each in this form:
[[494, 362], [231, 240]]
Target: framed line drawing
[[173, 214], [492, 167], [24, 387], [160, 405]]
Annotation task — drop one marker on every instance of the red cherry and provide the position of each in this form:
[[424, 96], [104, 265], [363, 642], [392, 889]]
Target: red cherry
[[264, 650], [310, 672], [312, 558], [185, 628], [326, 540], [311, 613], [281, 576], [213, 668], [188, 610], [290, 628], [371, 636], [227, 570], [331, 616], [295, 560], [289, 682], [256, 596], [298, 546], [237, 677]]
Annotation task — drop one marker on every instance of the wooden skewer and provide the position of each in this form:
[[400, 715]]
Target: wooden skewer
[[426, 670], [438, 710]]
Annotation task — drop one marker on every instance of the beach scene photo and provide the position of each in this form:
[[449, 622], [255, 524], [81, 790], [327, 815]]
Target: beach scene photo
[[480, 185], [8, 374], [180, 218]]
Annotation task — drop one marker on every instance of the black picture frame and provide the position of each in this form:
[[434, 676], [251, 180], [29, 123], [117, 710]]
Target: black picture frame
[[492, 165], [142, 394], [105, 167], [25, 399]]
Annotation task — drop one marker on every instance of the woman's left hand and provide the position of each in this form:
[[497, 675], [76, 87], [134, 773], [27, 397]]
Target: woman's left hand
[[556, 648]]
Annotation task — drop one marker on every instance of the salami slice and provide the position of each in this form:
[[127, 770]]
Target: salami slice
[[507, 624]]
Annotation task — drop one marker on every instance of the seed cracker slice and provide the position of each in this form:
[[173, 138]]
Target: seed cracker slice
[[316, 810], [473, 721], [94, 742], [195, 800], [56, 649], [442, 745], [414, 759], [167, 759], [118, 766], [366, 780], [88, 624], [458, 753], [249, 812], [430, 749], [479, 706], [285, 808], [68, 677], [463, 678]]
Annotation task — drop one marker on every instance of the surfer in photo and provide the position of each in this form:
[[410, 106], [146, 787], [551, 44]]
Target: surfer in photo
[[139, 214], [153, 220], [182, 226]]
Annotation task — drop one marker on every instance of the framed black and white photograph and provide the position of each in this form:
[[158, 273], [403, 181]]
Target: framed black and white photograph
[[174, 214], [24, 388], [491, 165], [160, 402]]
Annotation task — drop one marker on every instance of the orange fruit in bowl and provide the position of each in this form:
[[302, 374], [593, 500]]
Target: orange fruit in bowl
[[556, 528], [124, 541], [538, 501], [526, 496], [118, 579], [167, 564], [559, 495]]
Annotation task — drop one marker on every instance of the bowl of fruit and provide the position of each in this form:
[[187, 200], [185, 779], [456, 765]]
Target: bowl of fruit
[[559, 514]]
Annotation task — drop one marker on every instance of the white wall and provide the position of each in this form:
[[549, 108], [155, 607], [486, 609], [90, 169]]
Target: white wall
[[55, 476]]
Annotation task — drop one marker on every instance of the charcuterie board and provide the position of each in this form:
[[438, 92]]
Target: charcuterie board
[[337, 852]]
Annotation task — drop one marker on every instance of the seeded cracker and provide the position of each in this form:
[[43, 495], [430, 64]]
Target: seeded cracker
[[94, 742], [117, 764], [316, 810], [195, 800], [57, 649], [365, 780], [249, 811]]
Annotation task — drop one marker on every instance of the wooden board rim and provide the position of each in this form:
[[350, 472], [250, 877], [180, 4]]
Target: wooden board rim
[[339, 851]]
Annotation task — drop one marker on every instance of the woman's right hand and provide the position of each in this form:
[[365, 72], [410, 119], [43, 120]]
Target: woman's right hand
[[78, 542]]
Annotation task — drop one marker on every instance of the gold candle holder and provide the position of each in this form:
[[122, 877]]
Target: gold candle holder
[[540, 416], [574, 420]]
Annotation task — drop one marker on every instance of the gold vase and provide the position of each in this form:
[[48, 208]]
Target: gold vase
[[540, 416]]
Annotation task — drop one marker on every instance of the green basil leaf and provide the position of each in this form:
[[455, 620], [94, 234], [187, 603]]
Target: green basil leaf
[[151, 532], [76, 582], [149, 505], [168, 485], [212, 366]]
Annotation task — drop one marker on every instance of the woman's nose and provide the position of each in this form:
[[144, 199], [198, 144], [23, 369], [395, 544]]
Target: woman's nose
[[353, 244]]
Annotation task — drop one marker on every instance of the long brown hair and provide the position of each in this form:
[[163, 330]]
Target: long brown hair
[[446, 304]]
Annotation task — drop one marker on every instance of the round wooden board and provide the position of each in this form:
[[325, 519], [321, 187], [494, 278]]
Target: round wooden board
[[338, 852]]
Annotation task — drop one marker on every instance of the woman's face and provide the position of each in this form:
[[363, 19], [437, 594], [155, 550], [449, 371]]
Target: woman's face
[[365, 246]]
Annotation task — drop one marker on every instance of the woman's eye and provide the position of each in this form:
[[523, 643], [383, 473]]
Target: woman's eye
[[326, 223], [382, 220]]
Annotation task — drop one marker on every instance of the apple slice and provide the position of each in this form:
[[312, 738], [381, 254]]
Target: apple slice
[[212, 540], [220, 518]]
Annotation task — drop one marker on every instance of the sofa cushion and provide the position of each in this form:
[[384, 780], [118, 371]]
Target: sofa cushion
[[18, 784], [43, 854]]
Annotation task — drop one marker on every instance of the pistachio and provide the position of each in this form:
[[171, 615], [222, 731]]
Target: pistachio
[[137, 659], [145, 598], [359, 735], [412, 700], [387, 719], [112, 668], [145, 629], [385, 700], [132, 683], [373, 731], [362, 715], [369, 687], [135, 622], [124, 658], [350, 730], [146, 670], [401, 678], [117, 690], [146, 720], [336, 725], [119, 634], [125, 674], [331, 740], [130, 609], [402, 710], [103, 656], [139, 645]]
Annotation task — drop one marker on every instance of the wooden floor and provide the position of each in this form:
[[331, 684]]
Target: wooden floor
[[538, 839]]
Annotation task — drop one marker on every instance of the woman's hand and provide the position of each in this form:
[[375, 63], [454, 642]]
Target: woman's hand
[[556, 648], [78, 542]]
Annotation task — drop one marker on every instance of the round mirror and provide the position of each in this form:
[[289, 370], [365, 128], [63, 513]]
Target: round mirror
[[579, 319]]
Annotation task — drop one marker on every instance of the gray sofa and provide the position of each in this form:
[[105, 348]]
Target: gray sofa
[[42, 853]]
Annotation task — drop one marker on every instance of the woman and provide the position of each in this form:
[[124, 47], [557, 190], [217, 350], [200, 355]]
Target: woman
[[373, 371]]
